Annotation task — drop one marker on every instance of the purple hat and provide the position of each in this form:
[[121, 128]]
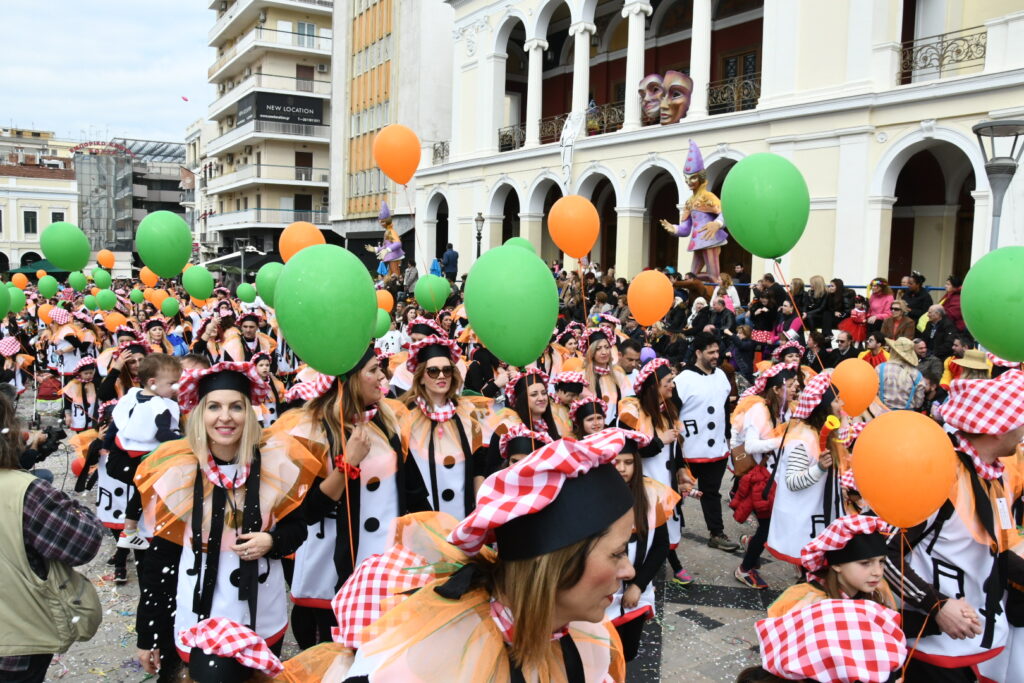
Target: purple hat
[[694, 161], [385, 212], [647, 354]]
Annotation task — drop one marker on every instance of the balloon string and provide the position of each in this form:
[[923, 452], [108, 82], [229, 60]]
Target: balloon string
[[415, 233], [938, 603], [583, 293], [348, 498]]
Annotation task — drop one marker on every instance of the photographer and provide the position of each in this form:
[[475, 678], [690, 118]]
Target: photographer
[[38, 444]]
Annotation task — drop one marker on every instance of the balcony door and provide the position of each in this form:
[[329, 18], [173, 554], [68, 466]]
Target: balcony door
[[306, 34], [737, 70], [303, 165], [304, 75], [303, 207]]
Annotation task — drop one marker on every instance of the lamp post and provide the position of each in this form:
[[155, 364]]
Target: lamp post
[[999, 169], [479, 220]]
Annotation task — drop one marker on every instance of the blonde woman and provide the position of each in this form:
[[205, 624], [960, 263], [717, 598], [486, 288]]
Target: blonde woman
[[605, 379], [815, 305], [725, 287]]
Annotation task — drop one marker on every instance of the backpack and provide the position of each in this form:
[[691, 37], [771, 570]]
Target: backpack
[[48, 389]]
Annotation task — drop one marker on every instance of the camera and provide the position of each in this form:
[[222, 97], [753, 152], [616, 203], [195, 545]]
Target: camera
[[54, 435]]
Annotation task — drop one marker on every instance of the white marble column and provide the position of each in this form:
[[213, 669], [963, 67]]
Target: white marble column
[[531, 227], [491, 234], [629, 241], [982, 227], [700, 58], [635, 11], [534, 89], [581, 32], [493, 108]]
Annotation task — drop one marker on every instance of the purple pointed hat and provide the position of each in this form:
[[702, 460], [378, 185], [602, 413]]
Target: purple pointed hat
[[385, 212], [694, 160]]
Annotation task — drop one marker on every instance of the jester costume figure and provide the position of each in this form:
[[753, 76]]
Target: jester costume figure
[[701, 219], [389, 252]]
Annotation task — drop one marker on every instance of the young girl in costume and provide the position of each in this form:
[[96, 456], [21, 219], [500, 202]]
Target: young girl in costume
[[588, 416]]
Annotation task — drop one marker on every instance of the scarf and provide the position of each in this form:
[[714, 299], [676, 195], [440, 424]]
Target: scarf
[[218, 478], [601, 372], [442, 414], [985, 470], [502, 617], [367, 415]]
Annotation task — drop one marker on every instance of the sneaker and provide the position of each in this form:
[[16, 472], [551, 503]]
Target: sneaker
[[132, 541], [722, 542], [750, 578], [120, 575], [682, 577]]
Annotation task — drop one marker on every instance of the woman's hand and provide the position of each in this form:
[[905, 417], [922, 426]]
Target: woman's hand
[[358, 446], [958, 620], [668, 436], [825, 461], [631, 596], [253, 546], [501, 378], [149, 659]]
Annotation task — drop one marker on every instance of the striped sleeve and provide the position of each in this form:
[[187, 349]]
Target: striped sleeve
[[801, 471]]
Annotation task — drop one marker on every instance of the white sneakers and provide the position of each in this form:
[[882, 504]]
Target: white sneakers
[[133, 541]]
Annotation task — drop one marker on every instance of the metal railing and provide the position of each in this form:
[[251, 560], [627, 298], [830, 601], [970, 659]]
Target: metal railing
[[270, 81], [734, 94], [942, 55], [273, 127], [308, 174], [551, 128], [269, 36], [241, 5], [605, 118], [273, 216], [440, 153], [511, 137]]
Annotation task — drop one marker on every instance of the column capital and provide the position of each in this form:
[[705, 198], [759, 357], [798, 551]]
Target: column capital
[[584, 27], [634, 7], [525, 216], [631, 211], [534, 43]]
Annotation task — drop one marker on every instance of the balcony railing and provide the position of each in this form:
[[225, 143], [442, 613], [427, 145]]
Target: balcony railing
[[734, 94], [551, 128], [440, 155], [272, 82], [307, 174], [272, 216], [943, 55], [511, 137], [269, 36], [605, 118], [242, 5], [270, 127]]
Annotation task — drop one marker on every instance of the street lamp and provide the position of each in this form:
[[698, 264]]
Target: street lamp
[[999, 169], [479, 220]]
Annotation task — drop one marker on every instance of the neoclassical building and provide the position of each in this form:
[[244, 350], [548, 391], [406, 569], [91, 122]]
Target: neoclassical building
[[873, 100]]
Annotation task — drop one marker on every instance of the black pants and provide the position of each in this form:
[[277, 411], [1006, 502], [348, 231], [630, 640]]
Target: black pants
[[709, 482], [35, 673], [920, 672], [630, 633], [121, 554], [312, 625], [752, 556]]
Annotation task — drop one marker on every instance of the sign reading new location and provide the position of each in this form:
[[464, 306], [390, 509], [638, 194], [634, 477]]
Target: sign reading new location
[[266, 106]]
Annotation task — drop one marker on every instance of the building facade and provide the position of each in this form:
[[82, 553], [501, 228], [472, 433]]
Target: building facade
[[873, 100], [198, 204], [267, 163]]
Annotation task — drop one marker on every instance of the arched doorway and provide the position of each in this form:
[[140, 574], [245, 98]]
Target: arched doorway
[[30, 257], [603, 198], [732, 253], [512, 133], [510, 217], [441, 238], [549, 251], [5, 262], [662, 202]]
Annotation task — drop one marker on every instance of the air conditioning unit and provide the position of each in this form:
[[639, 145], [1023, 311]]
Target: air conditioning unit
[[231, 158], [322, 68], [247, 72], [326, 198], [263, 16], [248, 149]]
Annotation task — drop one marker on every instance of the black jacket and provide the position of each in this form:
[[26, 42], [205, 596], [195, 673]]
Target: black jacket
[[939, 337], [919, 302]]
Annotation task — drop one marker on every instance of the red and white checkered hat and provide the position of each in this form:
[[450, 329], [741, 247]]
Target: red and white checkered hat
[[188, 388], [81, 316], [646, 371], [514, 379], [834, 641], [847, 481], [639, 438], [791, 345], [580, 402], [307, 391], [835, 537], [810, 397], [986, 406], [519, 430], [433, 340], [532, 484], [570, 377], [60, 316], [585, 338], [1001, 362], [123, 330], [9, 346], [222, 637], [84, 363], [432, 324], [769, 372]]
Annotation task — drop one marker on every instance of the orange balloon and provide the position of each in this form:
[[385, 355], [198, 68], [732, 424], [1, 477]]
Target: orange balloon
[[187, 266], [574, 224], [650, 297], [857, 384], [148, 277], [105, 258], [77, 465], [573, 365], [385, 300], [898, 447], [44, 313], [114, 320], [396, 149], [94, 291], [158, 297], [297, 237], [148, 293], [20, 280], [40, 273], [198, 302]]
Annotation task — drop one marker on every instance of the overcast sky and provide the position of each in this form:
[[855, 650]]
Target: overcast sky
[[97, 69]]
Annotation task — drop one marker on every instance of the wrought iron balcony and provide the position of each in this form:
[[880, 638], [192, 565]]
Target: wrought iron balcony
[[943, 55], [440, 155], [605, 118], [551, 128], [734, 94], [511, 137]]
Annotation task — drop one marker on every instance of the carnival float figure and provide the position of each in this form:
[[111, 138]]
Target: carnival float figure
[[664, 99], [701, 219], [389, 252]]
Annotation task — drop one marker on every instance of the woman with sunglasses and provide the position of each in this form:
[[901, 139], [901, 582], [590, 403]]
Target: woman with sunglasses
[[440, 433], [605, 378]]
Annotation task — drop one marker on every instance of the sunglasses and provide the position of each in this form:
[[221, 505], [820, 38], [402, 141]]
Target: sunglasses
[[895, 308], [434, 373]]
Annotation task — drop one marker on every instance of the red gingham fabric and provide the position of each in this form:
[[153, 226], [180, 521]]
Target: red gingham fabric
[[126, 329], [847, 435], [607, 318], [834, 641], [225, 638], [433, 324], [307, 391], [188, 388], [580, 402], [218, 478], [513, 381], [641, 439], [835, 537], [142, 348], [520, 430], [769, 372], [996, 360], [986, 406], [646, 371], [847, 481], [810, 397], [584, 342], [988, 472], [417, 346], [60, 316], [9, 346], [502, 617], [531, 484], [791, 345], [442, 414], [80, 316], [570, 377], [87, 362]]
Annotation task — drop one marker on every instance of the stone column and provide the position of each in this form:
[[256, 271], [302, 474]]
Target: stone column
[[635, 11], [581, 32], [491, 235], [531, 227], [982, 224], [493, 108], [534, 90], [629, 241], [700, 58]]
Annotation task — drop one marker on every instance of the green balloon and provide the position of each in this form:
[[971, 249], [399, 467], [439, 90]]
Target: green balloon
[[765, 204], [77, 281], [106, 299], [521, 242], [170, 306], [383, 323], [198, 282], [137, 296], [5, 301], [326, 307], [266, 280], [65, 246], [17, 300], [431, 292], [164, 242], [101, 278], [90, 302], [513, 317], [992, 301], [246, 292], [48, 286]]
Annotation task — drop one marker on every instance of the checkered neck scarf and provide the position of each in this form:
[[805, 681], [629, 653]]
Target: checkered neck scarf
[[442, 414], [602, 371], [367, 415], [218, 478], [985, 471], [502, 617]]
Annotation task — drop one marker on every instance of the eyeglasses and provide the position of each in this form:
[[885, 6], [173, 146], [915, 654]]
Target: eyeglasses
[[434, 373], [895, 308]]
